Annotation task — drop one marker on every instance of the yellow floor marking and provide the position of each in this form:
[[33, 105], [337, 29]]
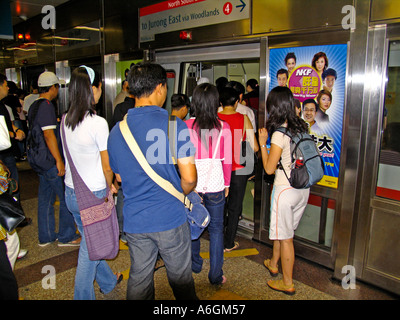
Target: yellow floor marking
[[226, 295], [125, 274], [234, 253], [123, 246]]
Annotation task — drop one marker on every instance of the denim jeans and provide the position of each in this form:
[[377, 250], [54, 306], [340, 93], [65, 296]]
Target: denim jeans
[[120, 213], [234, 205], [87, 270], [174, 248], [214, 202], [50, 185]]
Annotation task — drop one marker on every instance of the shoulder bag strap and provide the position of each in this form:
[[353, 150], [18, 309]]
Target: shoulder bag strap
[[138, 154]]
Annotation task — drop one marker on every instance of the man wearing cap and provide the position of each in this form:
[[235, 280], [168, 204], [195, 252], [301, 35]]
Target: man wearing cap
[[49, 164]]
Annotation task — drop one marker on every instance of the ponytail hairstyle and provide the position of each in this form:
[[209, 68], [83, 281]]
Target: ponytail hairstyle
[[280, 107], [81, 99]]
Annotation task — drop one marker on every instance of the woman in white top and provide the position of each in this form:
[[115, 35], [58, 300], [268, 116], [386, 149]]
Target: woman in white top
[[212, 139], [287, 203], [86, 136]]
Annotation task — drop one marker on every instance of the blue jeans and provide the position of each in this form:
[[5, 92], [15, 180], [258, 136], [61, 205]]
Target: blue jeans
[[174, 248], [50, 185], [87, 270], [214, 202]]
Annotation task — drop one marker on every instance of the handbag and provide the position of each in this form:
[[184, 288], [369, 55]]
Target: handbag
[[5, 141], [197, 215], [11, 212], [98, 215]]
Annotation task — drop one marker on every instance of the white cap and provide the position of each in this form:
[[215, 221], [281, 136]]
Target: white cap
[[203, 80], [47, 79]]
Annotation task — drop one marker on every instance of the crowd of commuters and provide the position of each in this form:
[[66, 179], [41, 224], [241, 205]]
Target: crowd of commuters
[[215, 124]]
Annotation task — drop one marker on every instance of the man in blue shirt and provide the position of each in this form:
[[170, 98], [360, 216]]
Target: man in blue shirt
[[154, 221], [42, 116]]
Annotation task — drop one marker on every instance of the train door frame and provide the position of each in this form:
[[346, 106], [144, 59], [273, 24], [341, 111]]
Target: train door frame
[[172, 59], [307, 249], [370, 255]]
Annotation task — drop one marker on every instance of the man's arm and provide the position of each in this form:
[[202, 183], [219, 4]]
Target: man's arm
[[187, 169], [51, 142]]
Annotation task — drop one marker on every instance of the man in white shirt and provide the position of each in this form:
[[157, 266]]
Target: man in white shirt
[[29, 99]]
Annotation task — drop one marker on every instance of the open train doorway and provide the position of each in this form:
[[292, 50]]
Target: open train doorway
[[235, 63]]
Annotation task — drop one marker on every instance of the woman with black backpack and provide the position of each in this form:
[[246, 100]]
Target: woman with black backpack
[[287, 203]]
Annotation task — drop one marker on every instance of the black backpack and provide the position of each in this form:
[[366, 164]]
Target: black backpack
[[310, 169], [39, 155]]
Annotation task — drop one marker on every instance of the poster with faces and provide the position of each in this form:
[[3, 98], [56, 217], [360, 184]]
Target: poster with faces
[[316, 75]]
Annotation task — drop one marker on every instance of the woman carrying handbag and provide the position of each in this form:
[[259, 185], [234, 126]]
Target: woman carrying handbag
[[213, 158], [85, 143]]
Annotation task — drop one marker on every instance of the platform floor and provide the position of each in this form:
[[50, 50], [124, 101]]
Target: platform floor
[[246, 276]]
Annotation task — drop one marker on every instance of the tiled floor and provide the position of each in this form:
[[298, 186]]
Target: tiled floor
[[246, 275]]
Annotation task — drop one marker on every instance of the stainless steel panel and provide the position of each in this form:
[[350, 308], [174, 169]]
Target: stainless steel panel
[[383, 246], [352, 126], [374, 84], [110, 83], [286, 15], [384, 10]]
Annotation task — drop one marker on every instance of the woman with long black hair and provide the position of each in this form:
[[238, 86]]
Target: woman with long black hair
[[86, 136], [212, 139], [287, 203]]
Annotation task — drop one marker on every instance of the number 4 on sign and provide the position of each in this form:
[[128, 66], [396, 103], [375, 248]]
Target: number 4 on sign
[[227, 8]]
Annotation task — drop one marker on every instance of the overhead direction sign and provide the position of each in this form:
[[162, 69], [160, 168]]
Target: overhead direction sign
[[176, 15]]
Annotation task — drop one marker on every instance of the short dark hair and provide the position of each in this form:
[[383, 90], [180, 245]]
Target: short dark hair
[[144, 78], [329, 72], [253, 83], [311, 101], [240, 89], [282, 71], [2, 78], [179, 100], [228, 96], [44, 89]]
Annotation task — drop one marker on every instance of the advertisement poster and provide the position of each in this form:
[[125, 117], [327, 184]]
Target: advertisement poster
[[316, 76]]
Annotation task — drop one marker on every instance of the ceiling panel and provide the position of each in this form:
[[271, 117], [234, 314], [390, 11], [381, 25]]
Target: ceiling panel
[[23, 10]]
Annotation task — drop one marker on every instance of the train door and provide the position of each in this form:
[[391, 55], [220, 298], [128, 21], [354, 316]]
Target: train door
[[314, 238], [236, 63]]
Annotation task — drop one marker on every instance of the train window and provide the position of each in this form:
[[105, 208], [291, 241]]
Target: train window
[[389, 161], [170, 85]]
